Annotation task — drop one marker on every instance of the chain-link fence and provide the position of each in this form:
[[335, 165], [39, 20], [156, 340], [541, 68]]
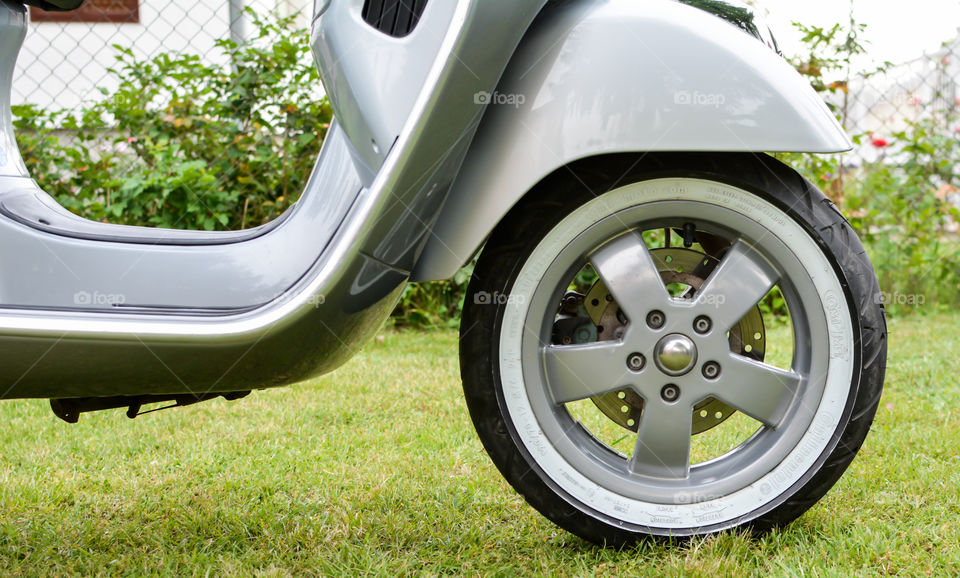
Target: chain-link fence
[[66, 56], [66, 59], [171, 113], [894, 99]]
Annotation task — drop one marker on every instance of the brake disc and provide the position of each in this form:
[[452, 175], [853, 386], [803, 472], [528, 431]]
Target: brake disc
[[684, 271]]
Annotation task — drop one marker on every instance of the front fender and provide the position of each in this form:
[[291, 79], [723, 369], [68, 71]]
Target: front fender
[[595, 77]]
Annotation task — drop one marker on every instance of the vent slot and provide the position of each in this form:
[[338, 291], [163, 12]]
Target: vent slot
[[397, 18]]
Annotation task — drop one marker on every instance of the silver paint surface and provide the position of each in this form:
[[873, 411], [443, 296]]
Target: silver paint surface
[[620, 76], [302, 298]]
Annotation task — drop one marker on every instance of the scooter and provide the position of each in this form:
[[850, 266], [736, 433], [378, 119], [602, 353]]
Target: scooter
[[668, 332]]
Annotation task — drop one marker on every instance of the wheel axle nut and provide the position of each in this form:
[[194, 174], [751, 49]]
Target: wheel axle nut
[[656, 319], [636, 362], [670, 393], [702, 324], [711, 370]]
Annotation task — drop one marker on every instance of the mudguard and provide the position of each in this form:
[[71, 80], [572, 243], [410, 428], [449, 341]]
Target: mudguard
[[595, 77]]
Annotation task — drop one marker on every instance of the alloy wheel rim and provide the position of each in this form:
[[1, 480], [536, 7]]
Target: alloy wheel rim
[[659, 470]]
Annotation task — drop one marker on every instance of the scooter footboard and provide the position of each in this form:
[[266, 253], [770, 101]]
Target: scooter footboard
[[87, 357]]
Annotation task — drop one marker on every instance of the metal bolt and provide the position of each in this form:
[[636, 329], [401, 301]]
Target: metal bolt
[[570, 302], [711, 370], [702, 324], [636, 362], [583, 334], [670, 393], [656, 319]]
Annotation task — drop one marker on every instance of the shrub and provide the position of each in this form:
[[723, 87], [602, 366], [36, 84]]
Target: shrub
[[905, 224], [892, 202], [185, 144]]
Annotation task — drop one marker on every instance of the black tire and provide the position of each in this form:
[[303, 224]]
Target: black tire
[[528, 223]]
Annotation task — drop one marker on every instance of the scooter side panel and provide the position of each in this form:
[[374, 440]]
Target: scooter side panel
[[12, 31], [368, 87], [85, 358], [322, 318], [62, 272], [595, 77], [372, 79]]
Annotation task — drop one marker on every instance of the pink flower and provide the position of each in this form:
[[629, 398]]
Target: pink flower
[[880, 143], [132, 139], [916, 101]]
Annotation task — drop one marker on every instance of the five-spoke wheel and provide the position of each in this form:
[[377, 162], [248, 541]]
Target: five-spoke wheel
[[679, 355]]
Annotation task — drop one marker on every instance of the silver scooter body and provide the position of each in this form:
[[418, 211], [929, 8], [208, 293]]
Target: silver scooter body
[[96, 310]]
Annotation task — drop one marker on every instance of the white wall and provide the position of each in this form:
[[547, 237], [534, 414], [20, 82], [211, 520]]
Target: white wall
[[62, 64]]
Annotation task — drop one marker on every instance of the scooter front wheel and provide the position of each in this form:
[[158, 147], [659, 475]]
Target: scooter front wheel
[[690, 347]]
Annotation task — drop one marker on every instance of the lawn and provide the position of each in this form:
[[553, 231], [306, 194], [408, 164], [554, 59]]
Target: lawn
[[376, 470]]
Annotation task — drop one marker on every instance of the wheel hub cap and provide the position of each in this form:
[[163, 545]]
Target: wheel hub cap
[[675, 354]]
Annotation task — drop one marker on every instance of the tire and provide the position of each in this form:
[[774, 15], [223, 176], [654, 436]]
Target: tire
[[546, 368]]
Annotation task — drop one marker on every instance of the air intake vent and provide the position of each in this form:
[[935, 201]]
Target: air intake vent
[[394, 17]]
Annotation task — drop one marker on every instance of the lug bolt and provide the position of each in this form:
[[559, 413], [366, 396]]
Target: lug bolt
[[711, 370], [636, 362], [702, 324], [656, 319], [670, 393]]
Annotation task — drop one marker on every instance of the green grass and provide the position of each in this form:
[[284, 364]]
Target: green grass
[[376, 470]]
